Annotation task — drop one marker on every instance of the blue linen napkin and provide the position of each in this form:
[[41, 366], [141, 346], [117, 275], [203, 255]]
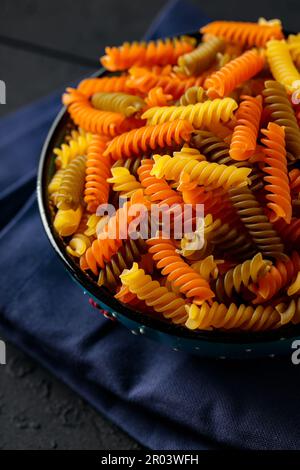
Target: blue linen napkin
[[164, 399]]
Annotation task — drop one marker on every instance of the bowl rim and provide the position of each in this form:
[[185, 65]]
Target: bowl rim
[[101, 294]]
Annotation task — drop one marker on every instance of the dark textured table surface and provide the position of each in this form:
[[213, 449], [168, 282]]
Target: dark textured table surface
[[37, 411]]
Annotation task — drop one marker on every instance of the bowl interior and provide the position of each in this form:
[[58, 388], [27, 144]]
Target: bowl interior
[[55, 137]]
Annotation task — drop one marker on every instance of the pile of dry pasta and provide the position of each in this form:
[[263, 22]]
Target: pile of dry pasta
[[180, 122]]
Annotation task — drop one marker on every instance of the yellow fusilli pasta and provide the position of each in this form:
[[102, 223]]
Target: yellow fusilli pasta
[[162, 300], [200, 114], [75, 147], [66, 222], [123, 181], [241, 317], [281, 64], [200, 172]]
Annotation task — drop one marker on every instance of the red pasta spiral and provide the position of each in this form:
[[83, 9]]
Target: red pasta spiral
[[157, 97], [238, 70], [97, 171], [90, 86], [126, 297], [297, 113], [243, 142], [216, 202], [142, 80], [158, 69], [294, 176], [98, 254], [178, 271], [149, 138], [160, 52], [244, 34], [93, 120], [277, 278], [276, 168], [289, 233], [158, 189]]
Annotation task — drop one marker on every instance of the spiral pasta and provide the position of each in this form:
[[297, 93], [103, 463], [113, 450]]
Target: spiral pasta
[[242, 317], [74, 134], [189, 152], [294, 288], [272, 22], [66, 222], [97, 171], [130, 251], [91, 225], [216, 150], [294, 177], [242, 275], [123, 182], [201, 172], [281, 112], [294, 48], [201, 58], [243, 142], [215, 202], [224, 58], [156, 188], [253, 217], [276, 278], [193, 255], [93, 120], [276, 168], [131, 164], [178, 272], [142, 80], [290, 233], [176, 184], [244, 34], [122, 103], [207, 268], [281, 64], [149, 138], [163, 301], [105, 246], [55, 183], [160, 52], [90, 86], [198, 114], [69, 194], [193, 95], [238, 70], [231, 242], [126, 297], [83, 226], [76, 146], [223, 131], [78, 245], [157, 97], [296, 207], [289, 313]]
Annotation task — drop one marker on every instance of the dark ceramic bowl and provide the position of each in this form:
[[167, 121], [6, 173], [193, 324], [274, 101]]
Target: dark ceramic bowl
[[218, 344]]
